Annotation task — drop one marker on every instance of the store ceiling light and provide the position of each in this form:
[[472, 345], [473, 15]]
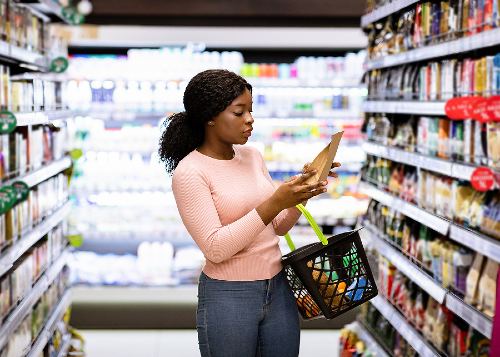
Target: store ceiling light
[[84, 7]]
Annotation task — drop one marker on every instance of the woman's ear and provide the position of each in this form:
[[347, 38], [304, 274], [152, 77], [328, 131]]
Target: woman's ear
[[211, 123]]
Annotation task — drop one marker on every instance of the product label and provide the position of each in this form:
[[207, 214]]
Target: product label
[[8, 122], [59, 65], [460, 108], [482, 179], [22, 190]]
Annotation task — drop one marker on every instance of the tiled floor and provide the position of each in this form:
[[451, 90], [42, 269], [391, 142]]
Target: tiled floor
[[183, 343]]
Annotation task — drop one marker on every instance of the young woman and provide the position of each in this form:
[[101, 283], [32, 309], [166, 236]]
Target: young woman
[[235, 214]]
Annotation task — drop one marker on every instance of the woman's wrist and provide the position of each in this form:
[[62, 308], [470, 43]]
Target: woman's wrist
[[269, 209]]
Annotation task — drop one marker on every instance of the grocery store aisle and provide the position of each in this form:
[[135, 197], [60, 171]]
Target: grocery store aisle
[[183, 343]]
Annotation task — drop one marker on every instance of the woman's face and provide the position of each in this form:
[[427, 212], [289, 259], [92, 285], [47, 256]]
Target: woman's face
[[234, 124]]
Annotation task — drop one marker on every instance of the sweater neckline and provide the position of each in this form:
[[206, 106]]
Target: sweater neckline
[[235, 159]]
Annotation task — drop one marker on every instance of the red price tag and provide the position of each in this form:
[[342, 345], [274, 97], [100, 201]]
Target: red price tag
[[460, 108], [493, 108], [482, 179], [480, 112]]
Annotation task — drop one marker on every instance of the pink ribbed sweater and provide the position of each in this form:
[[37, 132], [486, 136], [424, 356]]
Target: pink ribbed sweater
[[217, 200]]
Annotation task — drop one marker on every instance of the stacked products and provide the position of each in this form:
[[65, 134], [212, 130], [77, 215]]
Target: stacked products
[[436, 80], [32, 324], [16, 283], [41, 201], [430, 22], [445, 330], [465, 141], [25, 150], [442, 195]]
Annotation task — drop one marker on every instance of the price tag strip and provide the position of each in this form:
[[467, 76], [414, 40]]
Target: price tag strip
[[474, 317]]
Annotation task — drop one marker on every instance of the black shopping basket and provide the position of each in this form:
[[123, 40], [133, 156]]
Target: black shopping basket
[[329, 277]]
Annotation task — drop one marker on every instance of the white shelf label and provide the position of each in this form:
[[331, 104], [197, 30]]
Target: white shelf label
[[475, 318], [476, 241]]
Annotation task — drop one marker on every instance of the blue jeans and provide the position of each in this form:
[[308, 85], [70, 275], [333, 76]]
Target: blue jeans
[[247, 318]]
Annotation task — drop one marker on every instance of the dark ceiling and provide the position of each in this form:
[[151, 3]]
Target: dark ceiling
[[317, 13]]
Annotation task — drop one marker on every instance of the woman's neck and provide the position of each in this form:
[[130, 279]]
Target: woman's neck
[[220, 153]]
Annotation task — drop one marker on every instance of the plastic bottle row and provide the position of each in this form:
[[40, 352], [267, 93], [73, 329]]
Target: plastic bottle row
[[438, 80], [183, 63], [427, 23], [441, 195], [26, 150], [461, 141]]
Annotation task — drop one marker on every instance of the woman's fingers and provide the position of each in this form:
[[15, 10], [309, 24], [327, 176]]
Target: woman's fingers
[[336, 164], [333, 174]]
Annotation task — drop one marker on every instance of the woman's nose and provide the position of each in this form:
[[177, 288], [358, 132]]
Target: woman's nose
[[249, 118]]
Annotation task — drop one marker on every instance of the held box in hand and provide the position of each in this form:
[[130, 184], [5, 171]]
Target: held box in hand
[[323, 161]]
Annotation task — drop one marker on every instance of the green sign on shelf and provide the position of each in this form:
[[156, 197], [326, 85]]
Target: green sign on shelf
[[71, 14], [59, 64], [75, 154], [8, 197], [8, 122], [22, 190]]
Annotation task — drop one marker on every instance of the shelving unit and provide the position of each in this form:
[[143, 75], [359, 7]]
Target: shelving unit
[[27, 303], [369, 340], [39, 118], [472, 316], [465, 44], [21, 56], [439, 224], [487, 41], [407, 331], [43, 173], [65, 346], [13, 253], [48, 7], [405, 107], [452, 169], [385, 10], [474, 240], [50, 326]]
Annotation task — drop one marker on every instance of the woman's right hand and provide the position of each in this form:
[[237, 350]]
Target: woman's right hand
[[296, 190]]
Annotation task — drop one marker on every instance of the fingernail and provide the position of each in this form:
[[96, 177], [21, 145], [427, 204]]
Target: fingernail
[[325, 182]]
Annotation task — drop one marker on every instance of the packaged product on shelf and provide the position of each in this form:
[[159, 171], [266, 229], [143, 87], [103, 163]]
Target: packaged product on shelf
[[472, 293], [21, 277], [493, 149], [487, 289], [5, 296]]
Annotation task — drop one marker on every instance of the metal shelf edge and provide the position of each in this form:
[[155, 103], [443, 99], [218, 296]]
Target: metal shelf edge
[[405, 107], [32, 237], [385, 11], [407, 331], [48, 329], [473, 317], [29, 300], [371, 342]]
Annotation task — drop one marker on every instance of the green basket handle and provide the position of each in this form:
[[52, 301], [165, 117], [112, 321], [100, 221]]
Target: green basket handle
[[313, 224]]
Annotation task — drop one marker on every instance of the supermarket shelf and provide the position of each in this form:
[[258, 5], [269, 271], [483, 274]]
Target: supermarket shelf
[[405, 266], [35, 61], [47, 332], [183, 294], [475, 318], [305, 83], [39, 118], [48, 7], [465, 44], [9, 257], [398, 321], [444, 167], [369, 340], [17, 316], [472, 316], [44, 173], [438, 224], [65, 346], [474, 240], [384, 11], [405, 107]]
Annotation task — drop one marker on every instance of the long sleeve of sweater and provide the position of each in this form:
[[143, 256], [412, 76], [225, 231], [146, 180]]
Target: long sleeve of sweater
[[199, 214], [287, 218]]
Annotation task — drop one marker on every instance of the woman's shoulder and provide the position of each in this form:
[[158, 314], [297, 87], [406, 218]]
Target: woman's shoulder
[[250, 151], [189, 165]]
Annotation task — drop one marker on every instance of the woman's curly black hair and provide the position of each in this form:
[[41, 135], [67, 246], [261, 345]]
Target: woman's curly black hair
[[207, 94]]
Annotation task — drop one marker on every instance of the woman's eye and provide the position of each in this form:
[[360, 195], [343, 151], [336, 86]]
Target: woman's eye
[[238, 114]]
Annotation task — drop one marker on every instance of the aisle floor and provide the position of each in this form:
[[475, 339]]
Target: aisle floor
[[183, 343]]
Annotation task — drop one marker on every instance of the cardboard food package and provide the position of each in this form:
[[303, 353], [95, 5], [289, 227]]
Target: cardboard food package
[[323, 161]]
